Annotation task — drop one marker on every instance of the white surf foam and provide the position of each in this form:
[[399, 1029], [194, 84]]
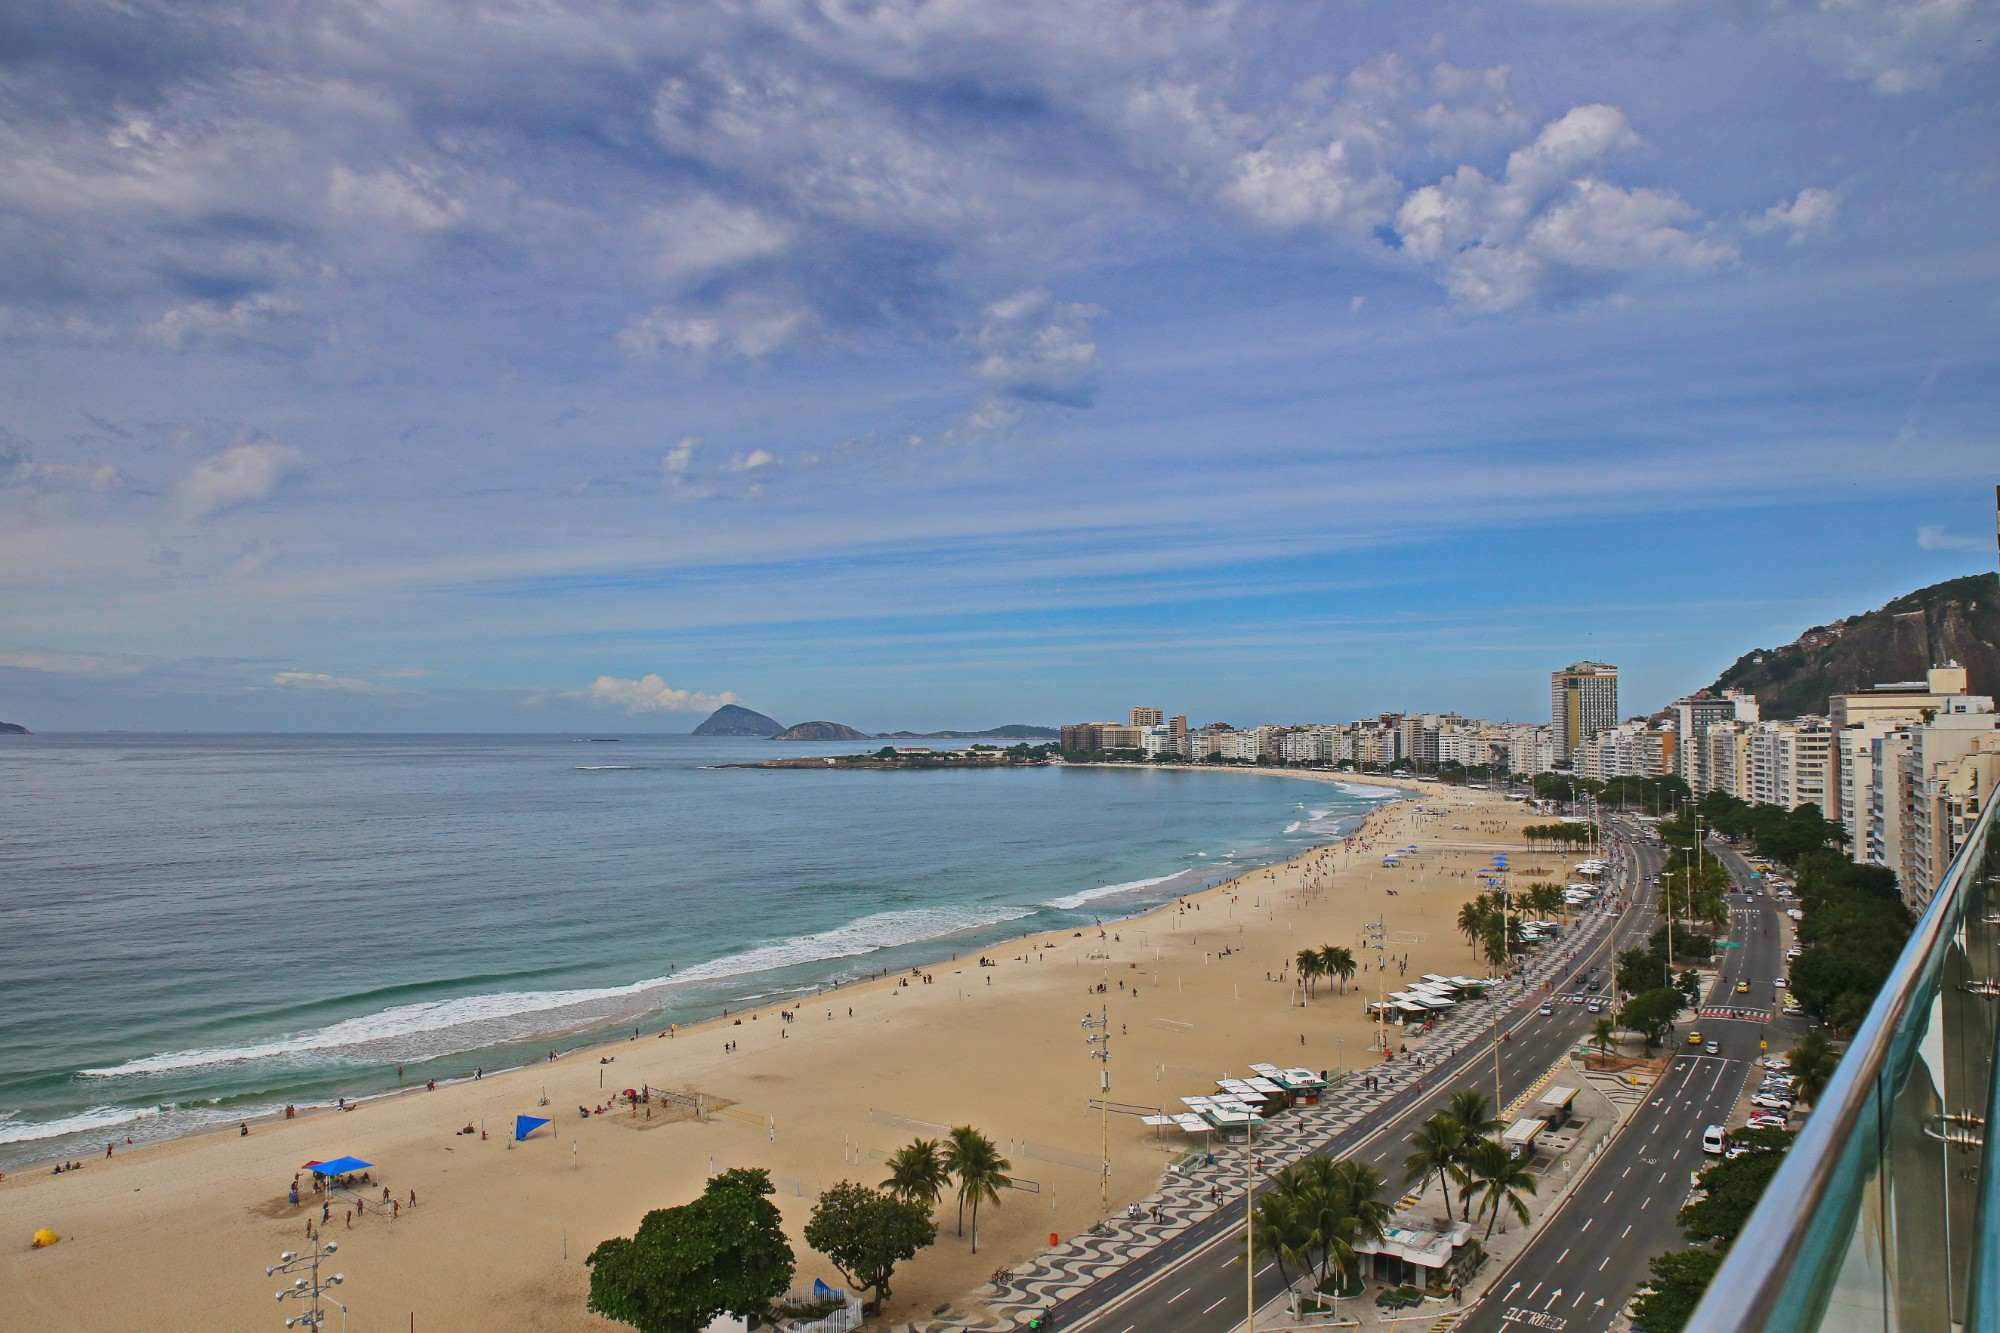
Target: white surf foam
[[442, 1027], [607, 768], [96, 1118], [1072, 901], [1371, 793]]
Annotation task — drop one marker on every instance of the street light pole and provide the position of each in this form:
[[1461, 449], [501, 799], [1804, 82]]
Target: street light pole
[[310, 1287], [1100, 1049]]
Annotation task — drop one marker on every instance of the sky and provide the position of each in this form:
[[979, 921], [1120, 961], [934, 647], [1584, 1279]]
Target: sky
[[423, 366]]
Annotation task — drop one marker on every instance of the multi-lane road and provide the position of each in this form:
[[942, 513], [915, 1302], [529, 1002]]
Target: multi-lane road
[[1196, 1281], [1589, 1256]]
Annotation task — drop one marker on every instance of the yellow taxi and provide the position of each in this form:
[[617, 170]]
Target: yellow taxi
[[1694, 1038], [1742, 988]]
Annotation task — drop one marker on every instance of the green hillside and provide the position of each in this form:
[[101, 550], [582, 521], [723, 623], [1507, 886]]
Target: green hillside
[[1955, 621]]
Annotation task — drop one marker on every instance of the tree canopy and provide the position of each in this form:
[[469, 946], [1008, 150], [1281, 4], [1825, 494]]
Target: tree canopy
[[865, 1233], [723, 1252]]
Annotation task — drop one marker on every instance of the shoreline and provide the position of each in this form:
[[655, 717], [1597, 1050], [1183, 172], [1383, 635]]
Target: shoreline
[[823, 1097], [605, 1037]]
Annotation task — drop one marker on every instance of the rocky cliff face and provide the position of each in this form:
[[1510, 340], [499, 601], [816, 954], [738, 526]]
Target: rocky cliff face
[[1956, 621], [729, 720]]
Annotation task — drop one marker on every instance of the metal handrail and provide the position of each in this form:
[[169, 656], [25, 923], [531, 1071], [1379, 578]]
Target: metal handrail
[[1754, 1287]]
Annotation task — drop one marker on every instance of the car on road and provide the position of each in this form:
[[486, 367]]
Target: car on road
[[1779, 982], [1713, 1048], [1712, 1140], [1548, 1008], [1694, 1038], [1595, 1006], [1742, 988]]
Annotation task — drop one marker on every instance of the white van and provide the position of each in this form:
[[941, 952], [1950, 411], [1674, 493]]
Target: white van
[[1711, 1140]]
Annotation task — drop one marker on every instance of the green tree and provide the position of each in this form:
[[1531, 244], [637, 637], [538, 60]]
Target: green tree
[[1651, 1014], [1434, 1150], [722, 1253], [1601, 1033], [917, 1173], [1310, 966], [865, 1233], [981, 1173], [1502, 1181], [1472, 920], [1731, 1189], [1812, 1063], [1679, 1279], [1338, 961]]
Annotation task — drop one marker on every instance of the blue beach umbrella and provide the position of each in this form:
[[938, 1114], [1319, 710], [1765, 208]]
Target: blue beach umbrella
[[525, 1125]]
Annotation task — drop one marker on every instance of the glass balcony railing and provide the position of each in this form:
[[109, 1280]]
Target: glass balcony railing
[[1884, 1215]]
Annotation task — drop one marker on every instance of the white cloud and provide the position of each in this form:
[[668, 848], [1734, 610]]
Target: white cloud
[[1933, 537], [20, 469], [208, 319], [1812, 214], [319, 680], [755, 459], [237, 476], [650, 694], [1895, 46], [703, 233], [748, 326], [1036, 348], [72, 664], [1550, 226]]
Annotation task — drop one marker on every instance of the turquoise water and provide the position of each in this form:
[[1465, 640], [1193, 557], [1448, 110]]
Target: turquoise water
[[198, 929]]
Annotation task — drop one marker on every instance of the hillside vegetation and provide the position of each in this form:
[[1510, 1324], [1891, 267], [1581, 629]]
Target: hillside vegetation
[[1957, 621]]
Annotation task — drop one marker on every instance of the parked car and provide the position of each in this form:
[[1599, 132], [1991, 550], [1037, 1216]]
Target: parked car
[[1765, 1120], [1770, 1103]]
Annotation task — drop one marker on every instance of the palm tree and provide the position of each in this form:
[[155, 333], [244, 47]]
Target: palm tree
[[1310, 967], [1336, 960], [917, 1173], [1275, 1231], [1472, 920], [1467, 1108], [1503, 1181], [1601, 1032], [1434, 1149], [1812, 1063], [981, 1173]]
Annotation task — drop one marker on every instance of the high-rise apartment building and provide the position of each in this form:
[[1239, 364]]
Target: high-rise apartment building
[[1863, 717], [1146, 717], [1583, 700], [1693, 718]]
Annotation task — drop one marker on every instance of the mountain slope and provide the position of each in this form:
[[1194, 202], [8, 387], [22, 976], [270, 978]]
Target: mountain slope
[[729, 720], [1955, 621], [820, 731]]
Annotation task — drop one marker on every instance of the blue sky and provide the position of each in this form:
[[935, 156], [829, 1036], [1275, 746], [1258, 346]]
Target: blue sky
[[414, 366]]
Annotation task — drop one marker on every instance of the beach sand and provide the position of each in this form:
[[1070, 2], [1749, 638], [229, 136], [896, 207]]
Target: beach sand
[[177, 1235]]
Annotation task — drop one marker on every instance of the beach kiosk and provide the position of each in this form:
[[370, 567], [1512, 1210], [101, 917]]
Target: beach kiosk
[[1521, 1135], [1553, 1106]]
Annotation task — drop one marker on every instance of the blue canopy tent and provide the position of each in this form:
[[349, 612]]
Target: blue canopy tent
[[340, 1166], [525, 1125]]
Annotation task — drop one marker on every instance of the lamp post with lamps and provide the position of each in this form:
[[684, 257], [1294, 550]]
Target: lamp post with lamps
[[1099, 1042], [310, 1288]]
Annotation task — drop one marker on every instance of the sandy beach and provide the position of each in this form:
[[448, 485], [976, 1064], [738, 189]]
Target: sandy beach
[[177, 1235]]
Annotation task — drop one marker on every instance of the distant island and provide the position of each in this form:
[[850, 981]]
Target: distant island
[[1013, 731], [919, 758], [820, 731], [13, 729], [734, 720], [729, 720]]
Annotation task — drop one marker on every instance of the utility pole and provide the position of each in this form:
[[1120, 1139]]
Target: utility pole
[[1250, 1227], [310, 1288], [1100, 1049]]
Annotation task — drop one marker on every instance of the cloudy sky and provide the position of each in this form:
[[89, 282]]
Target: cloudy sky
[[415, 365]]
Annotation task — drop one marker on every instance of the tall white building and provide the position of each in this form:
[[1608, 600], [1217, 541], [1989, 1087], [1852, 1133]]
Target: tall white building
[[1693, 717], [1583, 700]]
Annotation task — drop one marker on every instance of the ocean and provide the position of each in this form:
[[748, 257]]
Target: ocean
[[199, 929]]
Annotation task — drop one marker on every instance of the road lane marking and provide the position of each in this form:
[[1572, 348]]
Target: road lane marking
[[1588, 1220], [1177, 1295], [1626, 1232], [1606, 1259], [1219, 1301]]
